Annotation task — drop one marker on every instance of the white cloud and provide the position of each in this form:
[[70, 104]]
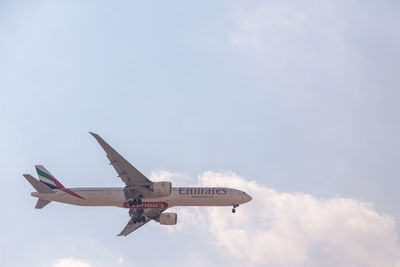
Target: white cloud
[[297, 38], [70, 262], [286, 25], [295, 229], [92, 252], [121, 260]]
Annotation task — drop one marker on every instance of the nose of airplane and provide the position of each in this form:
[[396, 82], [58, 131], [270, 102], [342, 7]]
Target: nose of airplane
[[247, 197]]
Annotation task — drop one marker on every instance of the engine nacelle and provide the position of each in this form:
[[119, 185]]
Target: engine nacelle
[[168, 218], [162, 188]]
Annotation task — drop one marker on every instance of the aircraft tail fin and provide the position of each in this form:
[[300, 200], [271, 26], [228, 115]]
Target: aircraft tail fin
[[41, 188], [47, 178], [41, 203]]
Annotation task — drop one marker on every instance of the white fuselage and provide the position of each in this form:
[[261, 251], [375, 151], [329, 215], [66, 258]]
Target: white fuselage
[[180, 196]]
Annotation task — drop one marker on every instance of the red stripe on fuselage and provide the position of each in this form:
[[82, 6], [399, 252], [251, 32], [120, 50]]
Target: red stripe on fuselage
[[148, 205]]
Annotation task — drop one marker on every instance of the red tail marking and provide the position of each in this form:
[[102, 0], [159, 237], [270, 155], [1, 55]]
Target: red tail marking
[[66, 190]]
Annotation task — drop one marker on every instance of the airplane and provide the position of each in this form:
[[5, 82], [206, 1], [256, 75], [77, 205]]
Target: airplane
[[146, 200]]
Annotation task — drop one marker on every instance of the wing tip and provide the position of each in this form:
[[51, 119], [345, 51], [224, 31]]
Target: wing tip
[[122, 233], [93, 134]]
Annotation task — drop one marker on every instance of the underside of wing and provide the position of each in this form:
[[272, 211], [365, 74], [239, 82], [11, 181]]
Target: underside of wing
[[129, 174], [131, 226], [138, 219]]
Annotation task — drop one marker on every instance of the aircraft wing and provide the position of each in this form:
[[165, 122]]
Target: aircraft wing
[[148, 214], [129, 174], [130, 227]]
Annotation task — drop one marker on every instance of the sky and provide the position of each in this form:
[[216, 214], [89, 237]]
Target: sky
[[294, 102]]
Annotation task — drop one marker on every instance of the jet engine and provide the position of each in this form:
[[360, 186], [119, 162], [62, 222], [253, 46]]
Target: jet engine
[[168, 218], [162, 188]]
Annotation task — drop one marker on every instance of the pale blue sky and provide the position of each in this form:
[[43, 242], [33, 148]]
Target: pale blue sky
[[298, 96]]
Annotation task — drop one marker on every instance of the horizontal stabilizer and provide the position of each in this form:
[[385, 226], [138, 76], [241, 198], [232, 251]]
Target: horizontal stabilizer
[[41, 203], [40, 187]]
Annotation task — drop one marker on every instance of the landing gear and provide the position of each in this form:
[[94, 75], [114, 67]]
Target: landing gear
[[234, 208], [131, 212], [135, 202], [137, 216], [139, 220], [139, 199]]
